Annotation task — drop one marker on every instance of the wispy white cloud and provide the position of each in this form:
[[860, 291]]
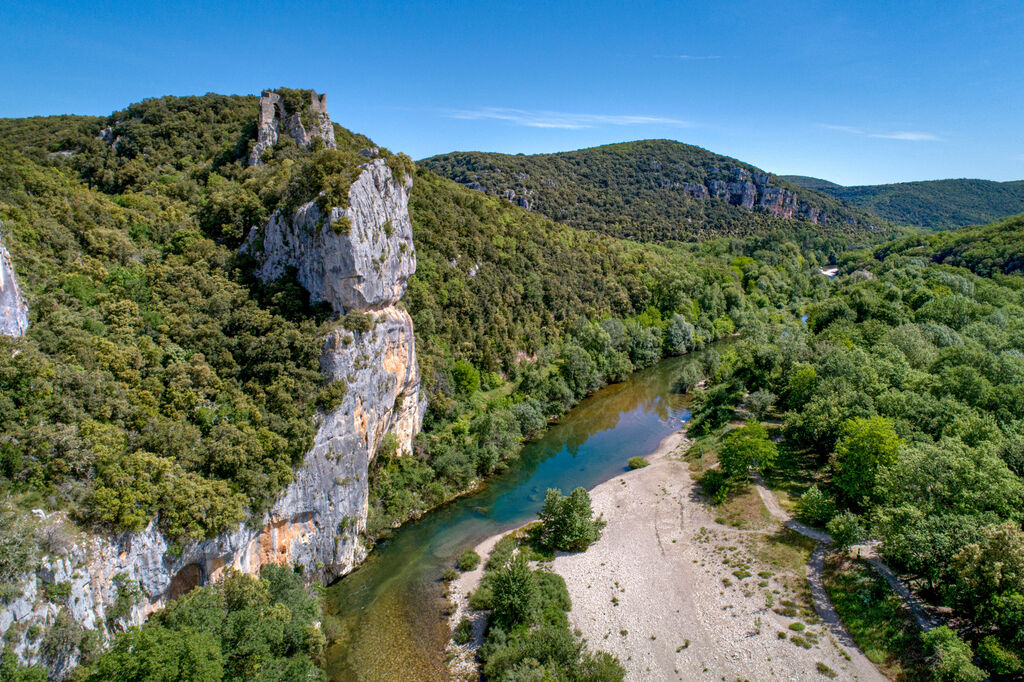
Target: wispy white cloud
[[698, 57], [557, 119], [906, 135]]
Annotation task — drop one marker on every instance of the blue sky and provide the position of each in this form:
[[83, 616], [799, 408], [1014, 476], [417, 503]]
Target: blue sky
[[857, 92]]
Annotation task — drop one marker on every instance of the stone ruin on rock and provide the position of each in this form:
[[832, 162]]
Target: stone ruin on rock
[[275, 119]]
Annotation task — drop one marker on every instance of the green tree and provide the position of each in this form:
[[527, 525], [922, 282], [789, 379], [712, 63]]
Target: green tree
[[745, 447], [815, 507], [864, 446], [845, 529], [156, 654], [466, 377], [950, 656], [567, 522], [514, 594]]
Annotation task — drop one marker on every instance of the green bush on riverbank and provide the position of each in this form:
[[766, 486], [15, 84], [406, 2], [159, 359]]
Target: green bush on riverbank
[[528, 635]]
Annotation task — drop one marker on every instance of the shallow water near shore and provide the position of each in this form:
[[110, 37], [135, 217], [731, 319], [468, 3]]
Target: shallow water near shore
[[391, 609]]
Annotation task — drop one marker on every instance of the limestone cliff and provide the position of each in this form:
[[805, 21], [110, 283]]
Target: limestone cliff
[[316, 522], [354, 258], [13, 311], [275, 119]]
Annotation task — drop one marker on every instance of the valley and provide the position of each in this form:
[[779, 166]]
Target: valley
[[263, 383]]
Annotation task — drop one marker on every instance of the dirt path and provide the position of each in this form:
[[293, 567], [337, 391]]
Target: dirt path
[[866, 550]]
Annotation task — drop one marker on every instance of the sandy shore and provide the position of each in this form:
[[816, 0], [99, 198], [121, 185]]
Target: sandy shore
[[676, 596]]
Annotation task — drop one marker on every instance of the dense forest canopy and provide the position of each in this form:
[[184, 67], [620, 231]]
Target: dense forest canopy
[[906, 386], [930, 203], [638, 190]]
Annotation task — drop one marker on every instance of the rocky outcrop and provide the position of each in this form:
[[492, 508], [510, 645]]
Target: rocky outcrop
[[358, 257], [355, 258], [13, 310], [275, 119], [779, 202], [751, 190]]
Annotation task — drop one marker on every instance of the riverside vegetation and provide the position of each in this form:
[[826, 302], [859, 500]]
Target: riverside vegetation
[[901, 403], [160, 380], [527, 635]]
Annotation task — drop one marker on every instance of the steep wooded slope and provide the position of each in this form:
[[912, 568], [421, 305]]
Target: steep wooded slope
[[654, 190], [930, 203]]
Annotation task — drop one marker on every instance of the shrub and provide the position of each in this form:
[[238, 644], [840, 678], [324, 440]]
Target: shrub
[[469, 560], [463, 631], [815, 507], [567, 522], [845, 530], [638, 462], [449, 574], [715, 485], [358, 321], [999, 660], [331, 396], [514, 594], [950, 657]]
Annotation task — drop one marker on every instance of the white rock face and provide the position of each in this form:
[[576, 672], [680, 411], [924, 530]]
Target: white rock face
[[355, 258], [274, 120], [13, 310], [317, 520]]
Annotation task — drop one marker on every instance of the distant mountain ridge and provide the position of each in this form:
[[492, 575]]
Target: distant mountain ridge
[[928, 203], [652, 190]]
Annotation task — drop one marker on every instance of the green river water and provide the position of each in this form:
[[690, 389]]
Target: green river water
[[391, 608]]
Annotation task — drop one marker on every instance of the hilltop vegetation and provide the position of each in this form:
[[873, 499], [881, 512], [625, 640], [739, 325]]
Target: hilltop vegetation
[[637, 190], [157, 379], [930, 203]]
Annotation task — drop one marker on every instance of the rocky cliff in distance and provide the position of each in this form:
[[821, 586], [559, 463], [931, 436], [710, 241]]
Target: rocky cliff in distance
[[13, 310], [656, 190], [316, 522]]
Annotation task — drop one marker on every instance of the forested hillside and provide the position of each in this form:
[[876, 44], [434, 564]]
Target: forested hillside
[[654, 190], [930, 203], [500, 292], [157, 378], [160, 380], [902, 400]]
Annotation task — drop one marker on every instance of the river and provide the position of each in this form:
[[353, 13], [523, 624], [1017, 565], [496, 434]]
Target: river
[[390, 610]]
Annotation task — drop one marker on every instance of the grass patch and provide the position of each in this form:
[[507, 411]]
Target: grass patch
[[826, 671], [638, 463], [875, 616], [786, 549], [743, 508]]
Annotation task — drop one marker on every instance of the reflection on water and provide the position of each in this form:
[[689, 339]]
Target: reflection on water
[[390, 609]]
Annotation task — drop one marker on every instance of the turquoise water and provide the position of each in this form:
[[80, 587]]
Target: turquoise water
[[390, 610]]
